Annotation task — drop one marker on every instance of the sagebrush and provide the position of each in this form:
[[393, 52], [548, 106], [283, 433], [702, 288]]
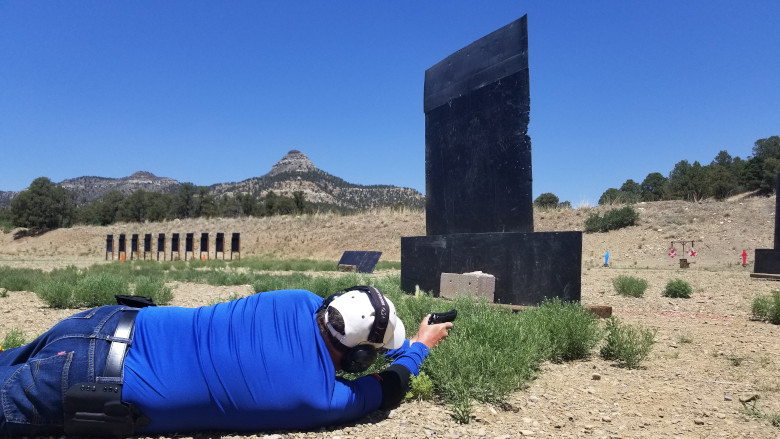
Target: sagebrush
[[767, 308], [629, 286], [612, 220], [678, 288], [627, 345]]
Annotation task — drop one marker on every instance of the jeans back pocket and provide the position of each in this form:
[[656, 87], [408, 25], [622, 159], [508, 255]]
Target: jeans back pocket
[[34, 394]]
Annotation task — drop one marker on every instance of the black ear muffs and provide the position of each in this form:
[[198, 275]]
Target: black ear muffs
[[359, 358]]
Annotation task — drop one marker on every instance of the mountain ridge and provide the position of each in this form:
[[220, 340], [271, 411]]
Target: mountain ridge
[[293, 172]]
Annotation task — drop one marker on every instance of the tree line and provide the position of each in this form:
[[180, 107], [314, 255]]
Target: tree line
[[723, 177], [45, 205]]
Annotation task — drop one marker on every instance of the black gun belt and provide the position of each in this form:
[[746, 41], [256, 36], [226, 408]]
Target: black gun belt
[[123, 335]]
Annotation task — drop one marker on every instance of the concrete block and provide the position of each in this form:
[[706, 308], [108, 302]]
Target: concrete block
[[477, 284]]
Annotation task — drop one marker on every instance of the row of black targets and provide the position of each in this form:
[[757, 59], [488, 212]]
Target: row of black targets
[[140, 248]]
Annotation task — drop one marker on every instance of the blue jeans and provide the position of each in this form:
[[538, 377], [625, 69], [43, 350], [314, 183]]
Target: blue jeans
[[35, 377]]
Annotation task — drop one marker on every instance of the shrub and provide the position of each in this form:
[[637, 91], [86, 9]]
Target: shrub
[[20, 279], [154, 288], [274, 264], [767, 308], [572, 330], [593, 223], [6, 224], [629, 286], [13, 339], [625, 344], [612, 220], [490, 353], [70, 274], [56, 293], [141, 268], [421, 388], [547, 200], [99, 289], [229, 278], [619, 218], [678, 288]]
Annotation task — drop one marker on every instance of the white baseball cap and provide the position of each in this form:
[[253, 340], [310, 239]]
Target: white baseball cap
[[359, 314]]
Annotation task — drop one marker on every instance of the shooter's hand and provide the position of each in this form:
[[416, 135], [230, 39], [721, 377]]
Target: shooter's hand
[[431, 335]]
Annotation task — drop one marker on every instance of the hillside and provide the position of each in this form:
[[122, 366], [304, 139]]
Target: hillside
[[294, 172], [720, 231], [89, 189]]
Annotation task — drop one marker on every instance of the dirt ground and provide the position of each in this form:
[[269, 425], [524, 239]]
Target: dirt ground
[[709, 355]]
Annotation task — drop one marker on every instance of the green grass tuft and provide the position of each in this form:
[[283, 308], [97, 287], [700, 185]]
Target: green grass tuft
[[678, 288], [420, 388], [57, 294], [629, 286], [627, 345], [767, 308], [20, 279], [99, 289], [13, 339], [572, 330], [154, 288]]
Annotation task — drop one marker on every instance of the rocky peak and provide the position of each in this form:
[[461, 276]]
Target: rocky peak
[[142, 175], [293, 161]]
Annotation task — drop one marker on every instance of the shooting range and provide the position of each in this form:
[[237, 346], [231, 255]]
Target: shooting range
[[420, 135]]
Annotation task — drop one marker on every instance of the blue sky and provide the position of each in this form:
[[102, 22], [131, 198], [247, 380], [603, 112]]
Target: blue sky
[[219, 91]]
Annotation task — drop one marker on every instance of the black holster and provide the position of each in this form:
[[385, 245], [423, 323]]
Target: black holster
[[96, 409]]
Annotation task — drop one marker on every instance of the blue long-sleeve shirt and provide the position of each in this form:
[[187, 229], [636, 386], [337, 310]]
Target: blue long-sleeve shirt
[[256, 363]]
